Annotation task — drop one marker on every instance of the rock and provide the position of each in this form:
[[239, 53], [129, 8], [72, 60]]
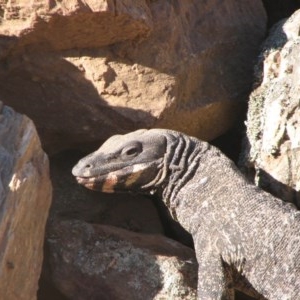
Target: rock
[[73, 24], [128, 65], [274, 114], [103, 262], [25, 195]]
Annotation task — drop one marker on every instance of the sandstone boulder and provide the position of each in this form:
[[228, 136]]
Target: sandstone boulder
[[72, 24], [25, 195], [274, 114], [103, 262], [86, 70]]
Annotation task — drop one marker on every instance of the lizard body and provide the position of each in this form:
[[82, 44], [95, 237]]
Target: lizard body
[[244, 238]]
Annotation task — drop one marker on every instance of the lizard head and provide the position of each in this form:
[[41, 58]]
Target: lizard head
[[130, 162]]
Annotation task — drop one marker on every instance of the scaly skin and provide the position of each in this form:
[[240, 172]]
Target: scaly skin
[[244, 237]]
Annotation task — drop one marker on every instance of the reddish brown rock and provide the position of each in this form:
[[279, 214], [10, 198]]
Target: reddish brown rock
[[102, 262], [25, 195], [83, 72], [73, 24], [274, 114]]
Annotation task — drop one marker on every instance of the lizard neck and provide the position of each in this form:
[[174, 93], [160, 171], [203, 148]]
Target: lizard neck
[[182, 158], [209, 181]]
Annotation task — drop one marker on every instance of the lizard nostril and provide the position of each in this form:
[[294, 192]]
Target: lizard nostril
[[88, 166]]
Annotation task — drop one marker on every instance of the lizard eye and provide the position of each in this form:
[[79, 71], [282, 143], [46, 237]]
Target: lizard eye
[[131, 151]]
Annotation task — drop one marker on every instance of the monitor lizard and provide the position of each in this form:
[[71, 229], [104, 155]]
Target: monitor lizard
[[244, 237]]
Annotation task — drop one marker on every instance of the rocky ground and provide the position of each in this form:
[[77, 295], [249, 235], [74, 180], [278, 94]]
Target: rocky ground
[[85, 70]]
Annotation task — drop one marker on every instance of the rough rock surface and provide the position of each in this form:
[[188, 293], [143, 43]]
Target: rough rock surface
[[274, 114], [104, 262], [129, 64], [55, 24], [25, 195]]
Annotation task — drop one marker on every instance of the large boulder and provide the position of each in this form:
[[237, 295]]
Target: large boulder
[[90, 261], [86, 70], [273, 126], [25, 196]]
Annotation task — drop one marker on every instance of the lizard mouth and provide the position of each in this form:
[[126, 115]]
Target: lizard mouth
[[84, 180], [104, 183], [90, 182], [118, 180]]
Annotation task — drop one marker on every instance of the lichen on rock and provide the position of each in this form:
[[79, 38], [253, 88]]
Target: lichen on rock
[[273, 116]]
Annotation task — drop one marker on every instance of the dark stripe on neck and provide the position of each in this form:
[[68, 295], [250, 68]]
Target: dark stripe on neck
[[184, 156]]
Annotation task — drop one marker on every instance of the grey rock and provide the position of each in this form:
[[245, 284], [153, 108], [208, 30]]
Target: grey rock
[[90, 261], [273, 129]]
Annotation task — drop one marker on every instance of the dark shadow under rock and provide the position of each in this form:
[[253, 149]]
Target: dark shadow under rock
[[279, 9]]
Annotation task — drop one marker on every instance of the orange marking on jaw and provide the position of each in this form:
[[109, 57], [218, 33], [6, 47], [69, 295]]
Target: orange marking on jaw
[[109, 183]]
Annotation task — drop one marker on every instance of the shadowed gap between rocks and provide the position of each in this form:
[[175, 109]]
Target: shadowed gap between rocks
[[279, 9]]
